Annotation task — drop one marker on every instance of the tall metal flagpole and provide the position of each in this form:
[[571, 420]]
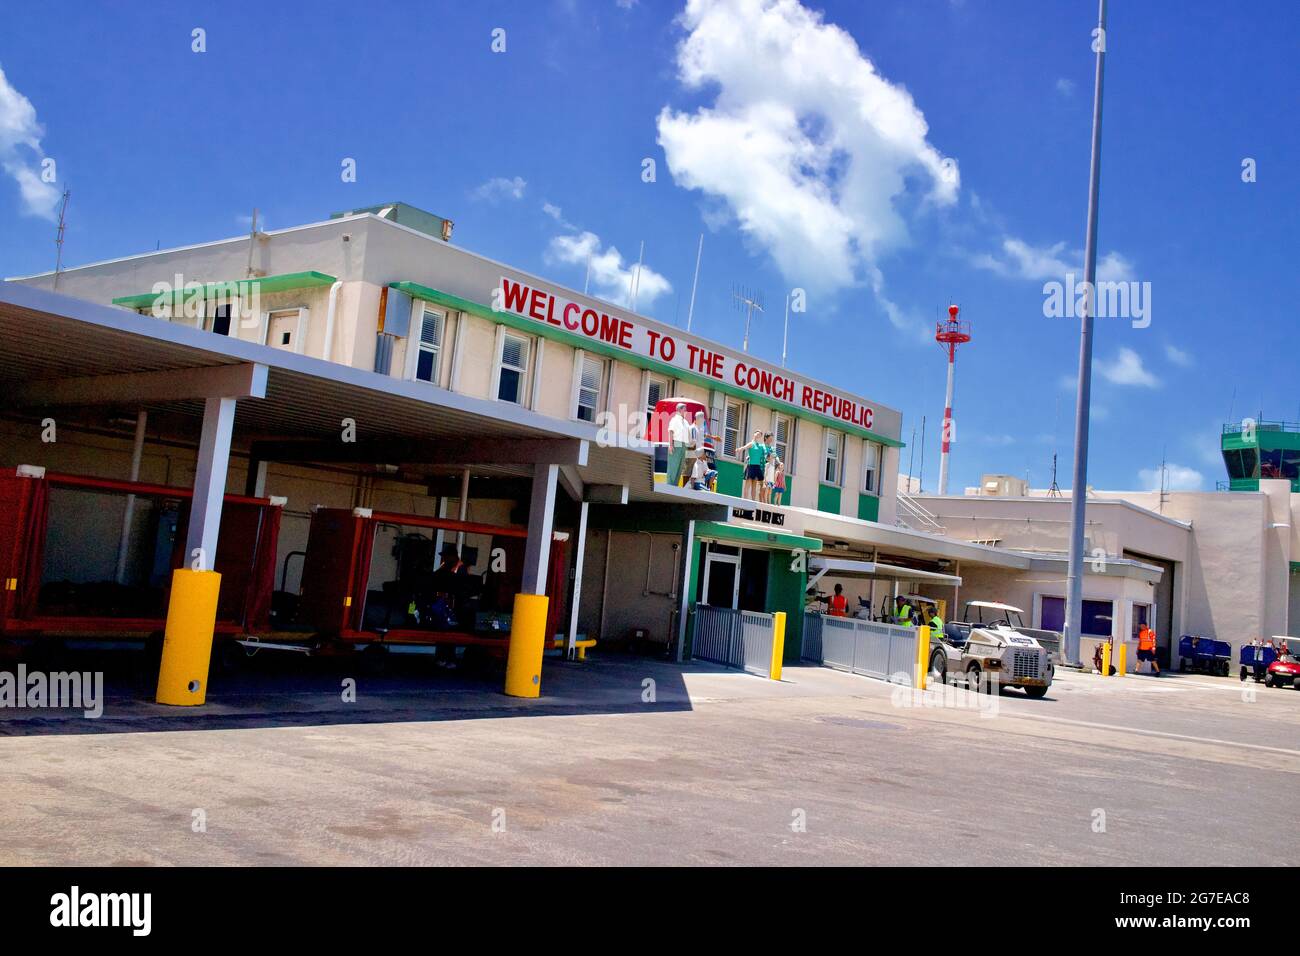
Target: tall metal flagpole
[[1079, 488]]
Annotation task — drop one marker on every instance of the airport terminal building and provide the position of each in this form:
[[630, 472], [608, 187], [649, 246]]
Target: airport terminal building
[[380, 393]]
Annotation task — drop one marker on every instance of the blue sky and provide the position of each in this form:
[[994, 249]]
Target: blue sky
[[809, 148]]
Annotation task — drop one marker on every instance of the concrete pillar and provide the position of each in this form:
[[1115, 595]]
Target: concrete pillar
[[128, 516], [688, 560], [537, 552], [210, 482], [579, 553]]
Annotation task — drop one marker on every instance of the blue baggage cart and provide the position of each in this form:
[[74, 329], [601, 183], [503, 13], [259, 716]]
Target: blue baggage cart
[[1204, 654], [1255, 658]]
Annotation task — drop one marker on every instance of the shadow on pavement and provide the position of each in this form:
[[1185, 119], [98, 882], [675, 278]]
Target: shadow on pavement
[[289, 690]]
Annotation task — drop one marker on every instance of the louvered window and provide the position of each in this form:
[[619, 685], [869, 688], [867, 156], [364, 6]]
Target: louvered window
[[430, 347]]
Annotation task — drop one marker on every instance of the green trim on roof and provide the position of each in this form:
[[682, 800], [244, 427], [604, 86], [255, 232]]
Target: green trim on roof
[[417, 291], [212, 290], [718, 530]]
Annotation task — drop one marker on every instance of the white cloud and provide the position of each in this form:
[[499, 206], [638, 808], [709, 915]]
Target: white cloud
[[20, 143], [1020, 260], [611, 277], [556, 213], [1175, 478], [807, 145], [1124, 369], [498, 188], [1065, 86], [1179, 357]]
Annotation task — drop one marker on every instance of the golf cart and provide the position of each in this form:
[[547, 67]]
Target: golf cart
[[989, 650]]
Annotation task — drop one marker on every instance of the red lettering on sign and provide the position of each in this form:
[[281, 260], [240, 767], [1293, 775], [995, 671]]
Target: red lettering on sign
[[668, 348], [536, 309], [571, 325], [590, 323], [516, 295]]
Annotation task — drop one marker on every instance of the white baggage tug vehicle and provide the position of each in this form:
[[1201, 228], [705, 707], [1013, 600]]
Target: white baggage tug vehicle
[[991, 652]]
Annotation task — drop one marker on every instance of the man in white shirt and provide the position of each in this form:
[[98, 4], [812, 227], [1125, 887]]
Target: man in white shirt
[[679, 437]]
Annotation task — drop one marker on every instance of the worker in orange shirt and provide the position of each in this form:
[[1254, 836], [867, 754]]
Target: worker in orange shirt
[[839, 604], [1147, 648]]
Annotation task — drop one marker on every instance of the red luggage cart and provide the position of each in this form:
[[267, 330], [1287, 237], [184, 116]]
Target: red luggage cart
[[35, 601]]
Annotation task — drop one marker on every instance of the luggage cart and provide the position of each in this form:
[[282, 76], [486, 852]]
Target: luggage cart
[[358, 593], [59, 558], [1255, 658], [1204, 654]]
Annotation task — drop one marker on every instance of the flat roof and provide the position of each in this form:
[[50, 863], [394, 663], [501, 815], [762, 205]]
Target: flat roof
[[448, 248], [48, 336]]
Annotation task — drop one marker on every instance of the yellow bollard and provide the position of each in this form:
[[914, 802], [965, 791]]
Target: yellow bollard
[[1105, 659], [187, 641], [1121, 650], [778, 644], [922, 655], [527, 642]]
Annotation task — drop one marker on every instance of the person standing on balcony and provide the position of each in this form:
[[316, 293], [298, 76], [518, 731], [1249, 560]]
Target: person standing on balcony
[[754, 455], [679, 439]]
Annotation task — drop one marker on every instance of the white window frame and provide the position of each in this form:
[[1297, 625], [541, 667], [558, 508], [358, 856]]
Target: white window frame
[[839, 457], [300, 333], [580, 359], [871, 449], [414, 344], [742, 420], [792, 434], [524, 378], [667, 387]]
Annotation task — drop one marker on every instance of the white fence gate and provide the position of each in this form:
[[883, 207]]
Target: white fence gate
[[862, 647], [734, 638]]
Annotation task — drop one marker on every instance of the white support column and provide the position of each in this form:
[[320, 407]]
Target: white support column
[[210, 481], [128, 516], [687, 597], [259, 480], [463, 513], [537, 552], [579, 553]]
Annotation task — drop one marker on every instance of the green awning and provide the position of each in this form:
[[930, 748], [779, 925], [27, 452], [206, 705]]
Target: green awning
[[744, 534], [228, 289]]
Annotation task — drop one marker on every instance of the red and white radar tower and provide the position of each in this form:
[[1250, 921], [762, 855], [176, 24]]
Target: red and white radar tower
[[951, 334]]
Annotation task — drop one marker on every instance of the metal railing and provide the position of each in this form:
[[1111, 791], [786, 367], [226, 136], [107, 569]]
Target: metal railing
[[733, 638], [862, 647], [912, 514]]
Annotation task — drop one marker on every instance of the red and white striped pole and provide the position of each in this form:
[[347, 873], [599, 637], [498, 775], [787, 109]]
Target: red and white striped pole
[[947, 421]]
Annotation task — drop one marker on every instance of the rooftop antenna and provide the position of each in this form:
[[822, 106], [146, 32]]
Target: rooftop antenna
[[949, 335], [586, 283], [1164, 478], [1055, 490], [58, 238], [751, 302], [920, 479], [636, 276], [250, 272], [785, 334], [690, 313], [911, 454]]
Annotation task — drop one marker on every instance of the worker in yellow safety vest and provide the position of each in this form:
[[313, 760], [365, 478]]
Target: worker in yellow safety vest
[[935, 621], [903, 614]]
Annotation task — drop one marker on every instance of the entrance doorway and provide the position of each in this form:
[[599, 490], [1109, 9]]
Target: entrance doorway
[[721, 584], [735, 577]]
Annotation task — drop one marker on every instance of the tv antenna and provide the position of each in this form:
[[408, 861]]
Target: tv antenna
[[58, 238], [751, 301], [1055, 490]]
